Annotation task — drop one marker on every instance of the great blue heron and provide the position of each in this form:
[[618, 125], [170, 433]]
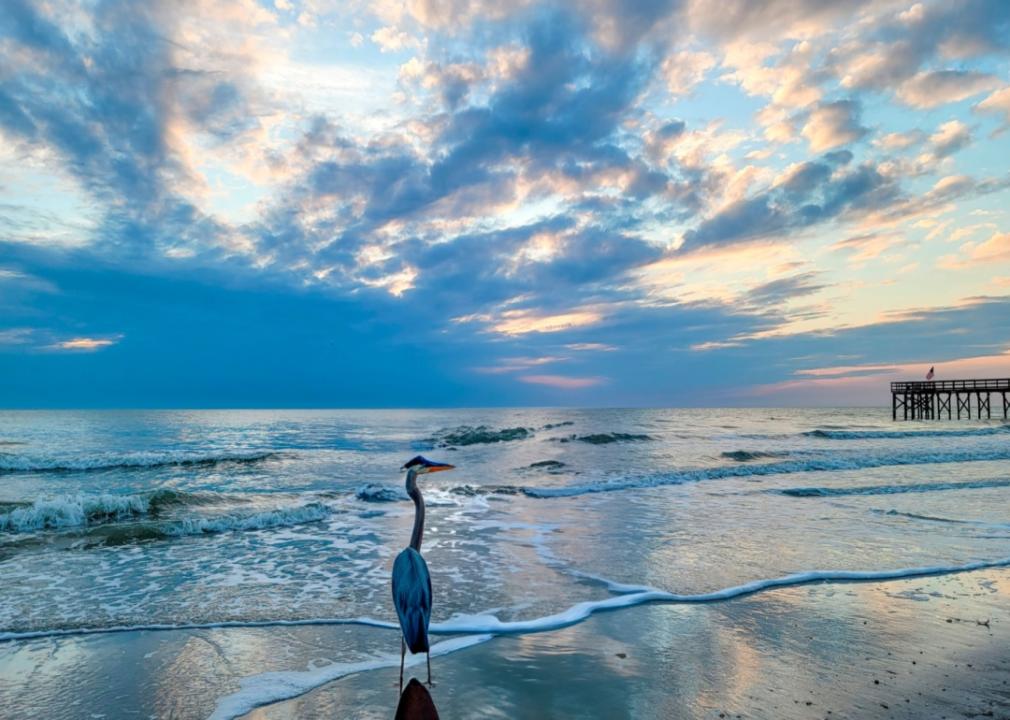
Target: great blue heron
[[411, 581]]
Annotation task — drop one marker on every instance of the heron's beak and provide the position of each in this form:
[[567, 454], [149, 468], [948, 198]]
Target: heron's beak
[[439, 467]]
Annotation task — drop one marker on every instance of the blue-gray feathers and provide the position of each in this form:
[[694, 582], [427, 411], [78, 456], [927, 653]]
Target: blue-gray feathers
[[412, 598]]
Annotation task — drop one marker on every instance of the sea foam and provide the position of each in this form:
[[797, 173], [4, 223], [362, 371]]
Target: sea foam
[[485, 623], [271, 687]]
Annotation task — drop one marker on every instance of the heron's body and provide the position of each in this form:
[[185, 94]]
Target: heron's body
[[411, 581], [412, 598]]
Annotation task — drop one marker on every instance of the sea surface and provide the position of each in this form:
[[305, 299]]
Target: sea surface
[[117, 521]]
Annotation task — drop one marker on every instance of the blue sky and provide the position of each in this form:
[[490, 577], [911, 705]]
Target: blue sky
[[469, 203]]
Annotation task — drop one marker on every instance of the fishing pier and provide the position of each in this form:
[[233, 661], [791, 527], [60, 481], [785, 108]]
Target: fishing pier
[[930, 399]]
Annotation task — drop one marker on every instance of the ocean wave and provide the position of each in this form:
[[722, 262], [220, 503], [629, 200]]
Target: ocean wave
[[280, 517], [551, 467], [63, 512], [132, 530], [380, 493], [827, 463], [892, 489], [748, 455], [938, 519], [10, 463], [902, 434], [479, 435], [73, 511], [604, 438]]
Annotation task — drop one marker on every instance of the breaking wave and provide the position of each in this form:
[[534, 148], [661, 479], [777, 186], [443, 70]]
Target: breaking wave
[[748, 455], [379, 494], [20, 464], [815, 464], [73, 511], [893, 489], [900, 434], [479, 435], [64, 512], [604, 438]]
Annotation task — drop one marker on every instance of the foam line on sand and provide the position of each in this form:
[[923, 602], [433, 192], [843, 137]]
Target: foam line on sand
[[266, 688], [631, 595]]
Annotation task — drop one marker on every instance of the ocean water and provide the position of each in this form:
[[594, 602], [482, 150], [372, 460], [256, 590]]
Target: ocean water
[[115, 521]]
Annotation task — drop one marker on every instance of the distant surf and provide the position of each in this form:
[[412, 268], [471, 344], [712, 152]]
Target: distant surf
[[12, 463], [892, 489], [826, 463], [832, 434]]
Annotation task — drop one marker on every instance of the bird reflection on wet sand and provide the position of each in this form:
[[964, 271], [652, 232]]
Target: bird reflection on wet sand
[[416, 703]]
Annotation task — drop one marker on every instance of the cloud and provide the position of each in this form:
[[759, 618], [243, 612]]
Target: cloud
[[16, 336], [783, 290], [813, 192], [563, 382], [995, 249], [950, 137], [590, 347], [85, 344], [521, 322], [518, 364], [997, 103], [862, 248], [683, 70], [930, 89], [389, 39], [833, 124], [900, 140]]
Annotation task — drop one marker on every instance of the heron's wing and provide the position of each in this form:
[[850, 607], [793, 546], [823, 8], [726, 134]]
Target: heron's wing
[[412, 598]]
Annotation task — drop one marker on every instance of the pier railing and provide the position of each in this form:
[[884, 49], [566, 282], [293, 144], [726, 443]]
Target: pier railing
[[989, 384]]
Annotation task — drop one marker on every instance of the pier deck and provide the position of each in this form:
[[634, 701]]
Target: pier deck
[[930, 399]]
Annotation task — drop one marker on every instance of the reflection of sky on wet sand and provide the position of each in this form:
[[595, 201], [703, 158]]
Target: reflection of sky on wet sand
[[764, 656], [761, 656]]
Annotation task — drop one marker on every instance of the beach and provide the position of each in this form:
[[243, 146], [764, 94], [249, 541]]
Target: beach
[[904, 649], [641, 564]]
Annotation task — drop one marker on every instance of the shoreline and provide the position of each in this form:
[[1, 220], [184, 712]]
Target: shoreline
[[916, 657], [764, 655]]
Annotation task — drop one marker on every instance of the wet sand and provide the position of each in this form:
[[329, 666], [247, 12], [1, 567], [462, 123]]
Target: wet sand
[[910, 649], [902, 649]]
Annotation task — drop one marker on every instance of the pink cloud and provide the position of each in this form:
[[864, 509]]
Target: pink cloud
[[563, 381]]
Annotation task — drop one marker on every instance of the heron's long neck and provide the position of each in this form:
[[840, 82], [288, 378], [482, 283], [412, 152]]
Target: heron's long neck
[[415, 495]]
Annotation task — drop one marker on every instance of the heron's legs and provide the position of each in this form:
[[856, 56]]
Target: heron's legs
[[403, 652], [428, 655]]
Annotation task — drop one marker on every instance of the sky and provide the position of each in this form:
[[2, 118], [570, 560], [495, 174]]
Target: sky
[[333, 203]]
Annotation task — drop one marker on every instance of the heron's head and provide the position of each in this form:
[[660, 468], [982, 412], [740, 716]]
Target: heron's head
[[421, 465]]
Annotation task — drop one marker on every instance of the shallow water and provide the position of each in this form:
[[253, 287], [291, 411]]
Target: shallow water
[[127, 519]]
